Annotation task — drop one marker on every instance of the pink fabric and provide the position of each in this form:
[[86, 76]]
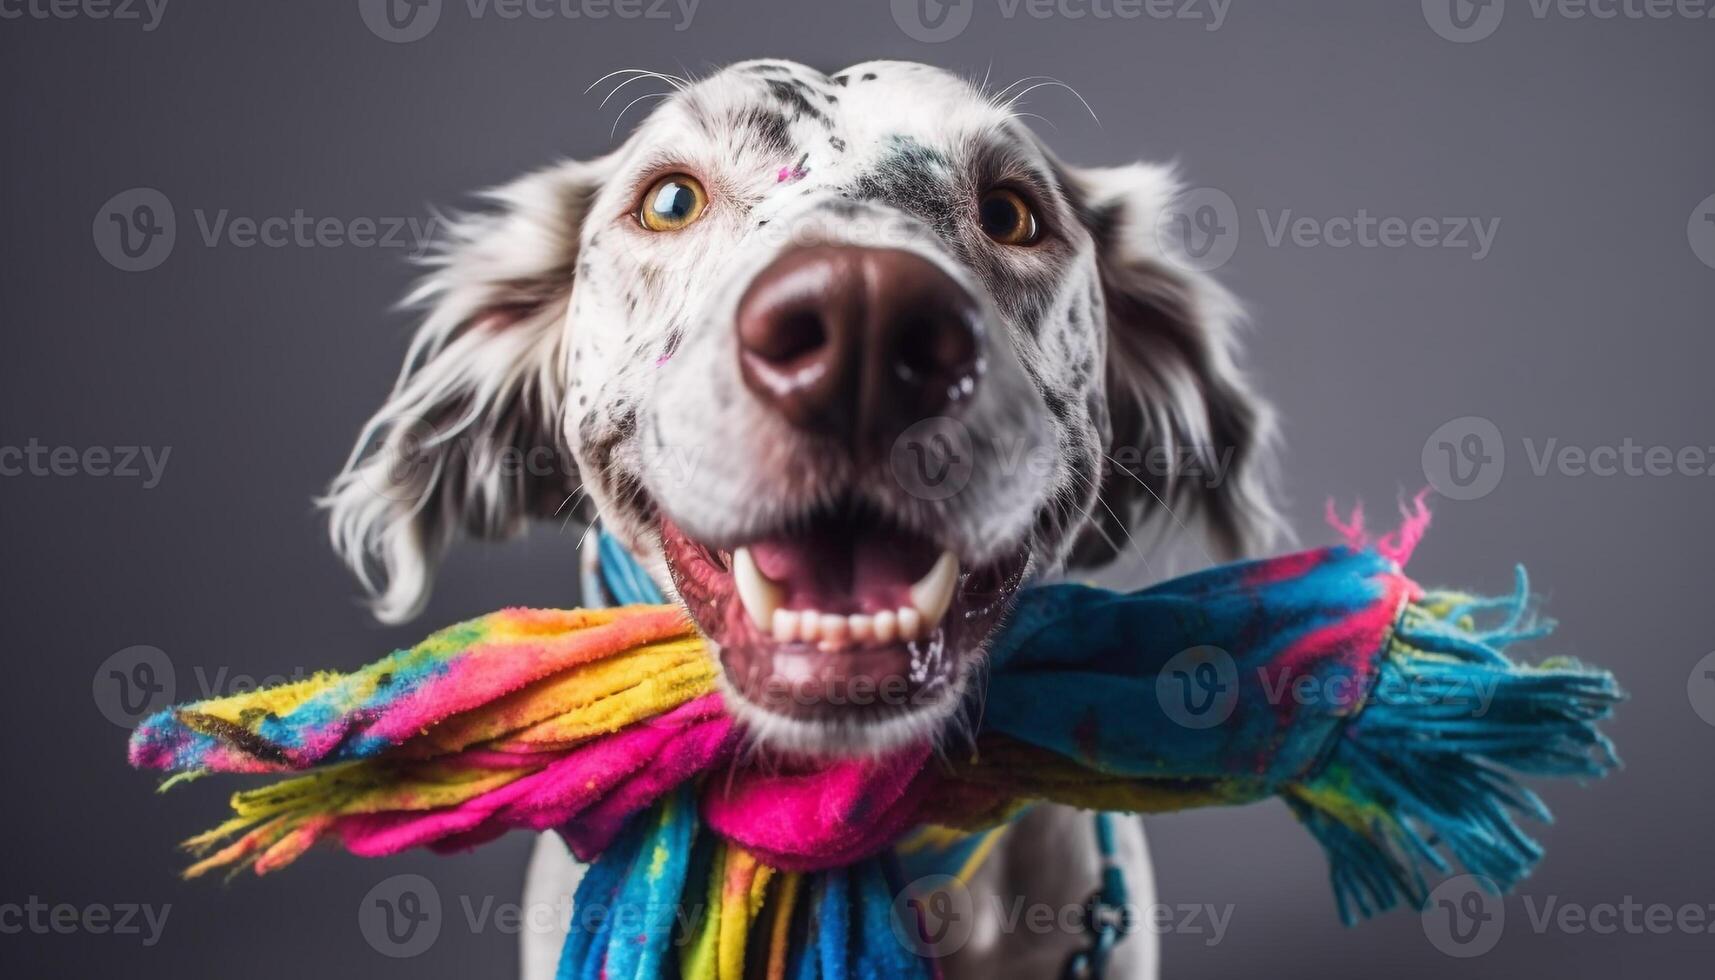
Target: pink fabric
[[1396, 545], [796, 821], [833, 816], [600, 784]]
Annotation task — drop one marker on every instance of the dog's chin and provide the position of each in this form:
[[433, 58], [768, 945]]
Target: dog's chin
[[841, 633]]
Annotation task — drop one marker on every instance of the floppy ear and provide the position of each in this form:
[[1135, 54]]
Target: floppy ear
[[1189, 438], [470, 435]]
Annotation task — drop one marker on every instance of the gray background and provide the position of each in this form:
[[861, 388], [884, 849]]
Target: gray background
[[1590, 140]]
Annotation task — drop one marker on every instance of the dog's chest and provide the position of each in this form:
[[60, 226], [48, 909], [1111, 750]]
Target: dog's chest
[[1027, 896]]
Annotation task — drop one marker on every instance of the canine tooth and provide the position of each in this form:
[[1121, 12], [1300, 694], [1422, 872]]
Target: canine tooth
[[833, 629], [933, 593], [910, 621], [785, 625], [886, 626], [862, 627], [759, 596]]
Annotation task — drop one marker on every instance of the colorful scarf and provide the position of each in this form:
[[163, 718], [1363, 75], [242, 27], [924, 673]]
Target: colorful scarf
[[1386, 715]]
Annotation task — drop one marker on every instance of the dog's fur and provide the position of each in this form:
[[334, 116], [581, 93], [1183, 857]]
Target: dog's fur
[[568, 351]]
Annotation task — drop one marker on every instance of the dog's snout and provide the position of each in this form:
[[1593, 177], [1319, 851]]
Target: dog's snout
[[858, 343]]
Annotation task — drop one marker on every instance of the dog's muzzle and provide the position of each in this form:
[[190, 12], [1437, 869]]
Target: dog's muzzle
[[842, 596], [856, 344]]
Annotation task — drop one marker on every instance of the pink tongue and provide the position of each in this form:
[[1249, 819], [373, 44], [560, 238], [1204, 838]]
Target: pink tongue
[[842, 569]]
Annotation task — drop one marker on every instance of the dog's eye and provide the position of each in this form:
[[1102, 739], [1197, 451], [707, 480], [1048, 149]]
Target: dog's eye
[[672, 203], [1007, 218]]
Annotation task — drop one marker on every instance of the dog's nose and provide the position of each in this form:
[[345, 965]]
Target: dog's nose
[[858, 343]]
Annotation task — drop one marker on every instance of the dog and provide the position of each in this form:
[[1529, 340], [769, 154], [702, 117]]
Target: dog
[[844, 360]]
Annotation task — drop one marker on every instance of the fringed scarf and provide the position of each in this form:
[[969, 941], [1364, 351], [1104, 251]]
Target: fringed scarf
[[1386, 715]]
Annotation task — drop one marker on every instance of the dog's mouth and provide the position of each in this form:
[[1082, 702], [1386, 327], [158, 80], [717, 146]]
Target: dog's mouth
[[842, 617]]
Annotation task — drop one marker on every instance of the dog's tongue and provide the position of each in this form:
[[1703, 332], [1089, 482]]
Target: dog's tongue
[[837, 568]]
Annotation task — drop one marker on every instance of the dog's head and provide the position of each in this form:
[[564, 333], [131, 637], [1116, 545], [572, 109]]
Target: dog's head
[[845, 359]]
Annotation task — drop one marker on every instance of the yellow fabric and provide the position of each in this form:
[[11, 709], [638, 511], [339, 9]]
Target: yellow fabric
[[780, 932], [664, 677], [593, 699], [698, 959], [737, 889]]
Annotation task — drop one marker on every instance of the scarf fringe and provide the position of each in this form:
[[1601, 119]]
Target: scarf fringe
[[1424, 779]]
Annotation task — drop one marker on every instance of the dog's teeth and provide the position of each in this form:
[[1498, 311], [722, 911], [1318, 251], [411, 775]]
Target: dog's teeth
[[933, 593], [809, 626], [886, 626], [833, 629], [861, 627], [759, 596], [832, 632], [910, 621]]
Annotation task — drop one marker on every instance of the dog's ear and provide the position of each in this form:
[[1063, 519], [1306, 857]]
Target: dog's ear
[[470, 436], [1189, 439]]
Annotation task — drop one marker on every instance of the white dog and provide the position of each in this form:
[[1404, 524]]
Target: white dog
[[844, 360]]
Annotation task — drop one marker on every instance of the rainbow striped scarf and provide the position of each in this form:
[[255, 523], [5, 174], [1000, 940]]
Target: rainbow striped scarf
[[1387, 716]]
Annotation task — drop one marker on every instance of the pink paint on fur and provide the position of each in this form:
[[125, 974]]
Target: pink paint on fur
[[795, 172]]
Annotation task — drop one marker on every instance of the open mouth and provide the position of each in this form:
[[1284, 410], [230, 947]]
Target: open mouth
[[841, 615]]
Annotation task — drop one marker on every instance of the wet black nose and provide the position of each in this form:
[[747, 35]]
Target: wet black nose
[[858, 343]]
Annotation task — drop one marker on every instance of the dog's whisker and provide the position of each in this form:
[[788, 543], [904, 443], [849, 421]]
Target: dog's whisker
[[1036, 115], [617, 71], [570, 500], [616, 89], [1132, 544], [1170, 513], [643, 98], [678, 83], [1044, 81], [996, 98]]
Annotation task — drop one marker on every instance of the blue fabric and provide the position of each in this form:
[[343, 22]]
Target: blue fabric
[[586, 944], [653, 890], [626, 581], [833, 924], [1095, 675]]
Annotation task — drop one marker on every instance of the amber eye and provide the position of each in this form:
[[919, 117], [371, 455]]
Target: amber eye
[[1007, 218], [671, 203]]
